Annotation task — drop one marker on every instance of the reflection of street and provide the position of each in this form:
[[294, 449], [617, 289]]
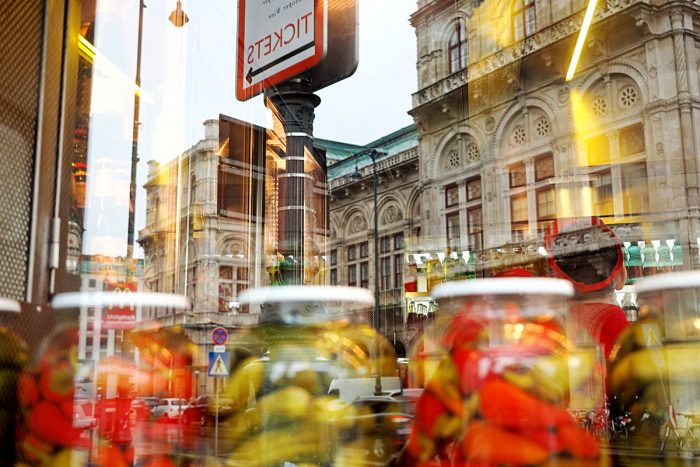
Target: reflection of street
[[180, 442]]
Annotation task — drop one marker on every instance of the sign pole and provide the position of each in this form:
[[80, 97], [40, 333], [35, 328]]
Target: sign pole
[[216, 420], [294, 103]]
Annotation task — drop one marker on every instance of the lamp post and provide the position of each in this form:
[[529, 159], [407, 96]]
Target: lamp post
[[179, 19], [373, 154]]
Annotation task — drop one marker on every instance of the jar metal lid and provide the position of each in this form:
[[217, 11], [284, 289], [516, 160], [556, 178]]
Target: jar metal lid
[[111, 299], [504, 286], [307, 293], [667, 281], [9, 306]]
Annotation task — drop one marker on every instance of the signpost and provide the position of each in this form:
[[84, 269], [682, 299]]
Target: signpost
[[278, 39], [219, 367], [291, 49]]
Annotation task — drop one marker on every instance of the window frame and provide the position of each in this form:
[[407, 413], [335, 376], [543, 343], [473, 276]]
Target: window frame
[[511, 172], [540, 177], [457, 43], [521, 11]]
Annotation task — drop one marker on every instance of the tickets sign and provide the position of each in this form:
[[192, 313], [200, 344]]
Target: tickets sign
[[278, 39], [119, 314]]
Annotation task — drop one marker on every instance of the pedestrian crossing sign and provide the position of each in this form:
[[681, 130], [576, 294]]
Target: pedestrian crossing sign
[[219, 363]]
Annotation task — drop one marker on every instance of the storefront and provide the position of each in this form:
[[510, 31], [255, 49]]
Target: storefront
[[381, 166]]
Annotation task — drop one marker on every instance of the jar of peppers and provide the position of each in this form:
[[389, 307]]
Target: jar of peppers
[[500, 392]]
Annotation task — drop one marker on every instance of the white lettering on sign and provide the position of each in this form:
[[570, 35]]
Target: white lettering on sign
[[290, 34], [278, 39]]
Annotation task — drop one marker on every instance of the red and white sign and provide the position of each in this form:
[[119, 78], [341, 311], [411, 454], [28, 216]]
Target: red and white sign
[[119, 315], [219, 335], [278, 39]]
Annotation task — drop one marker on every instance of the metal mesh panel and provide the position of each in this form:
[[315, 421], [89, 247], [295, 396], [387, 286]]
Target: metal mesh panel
[[20, 35]]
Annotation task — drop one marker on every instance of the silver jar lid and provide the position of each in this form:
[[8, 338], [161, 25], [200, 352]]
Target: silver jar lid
[[504, 286], [668, 281]]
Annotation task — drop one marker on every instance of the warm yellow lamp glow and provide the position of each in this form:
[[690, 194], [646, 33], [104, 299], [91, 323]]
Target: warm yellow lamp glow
[[587, 20]]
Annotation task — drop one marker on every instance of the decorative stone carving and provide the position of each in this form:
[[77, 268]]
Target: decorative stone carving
[[599, 106], [628, 97], [473, 153], [563, 95], [543, 127], [519, 136], [392, 215], [453, 160], [357, 224], [490, 123]]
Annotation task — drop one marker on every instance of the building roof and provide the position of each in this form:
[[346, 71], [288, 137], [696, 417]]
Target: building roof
[[342, 154]]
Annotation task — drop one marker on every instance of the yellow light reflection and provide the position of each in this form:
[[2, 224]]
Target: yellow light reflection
[[587, 19], [90, 53]]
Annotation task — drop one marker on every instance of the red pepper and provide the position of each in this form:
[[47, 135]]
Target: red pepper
[[489, 443], [507, 405], [579, 442], [48, 422], [472, 367]]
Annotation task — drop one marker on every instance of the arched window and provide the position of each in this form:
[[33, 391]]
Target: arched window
[[457, 47]]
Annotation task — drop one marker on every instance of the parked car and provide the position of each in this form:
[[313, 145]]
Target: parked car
[[149, 401], [140, 410], [381, 426], [202, 410], [169, 409]]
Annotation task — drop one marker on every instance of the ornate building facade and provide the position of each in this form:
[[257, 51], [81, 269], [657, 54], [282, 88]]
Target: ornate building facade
[[507, 145]]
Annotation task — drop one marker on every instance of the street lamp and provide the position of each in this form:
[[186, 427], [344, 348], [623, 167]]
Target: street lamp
[[373, 154], [178, 18]]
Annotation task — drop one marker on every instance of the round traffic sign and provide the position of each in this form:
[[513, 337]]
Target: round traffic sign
[[219, 335]]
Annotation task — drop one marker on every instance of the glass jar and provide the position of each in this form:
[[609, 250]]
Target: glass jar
[[654, 369], [301, 397], [499, 394]]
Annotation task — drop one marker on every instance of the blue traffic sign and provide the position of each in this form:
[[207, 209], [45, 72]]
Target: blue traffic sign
[[219, 363]]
